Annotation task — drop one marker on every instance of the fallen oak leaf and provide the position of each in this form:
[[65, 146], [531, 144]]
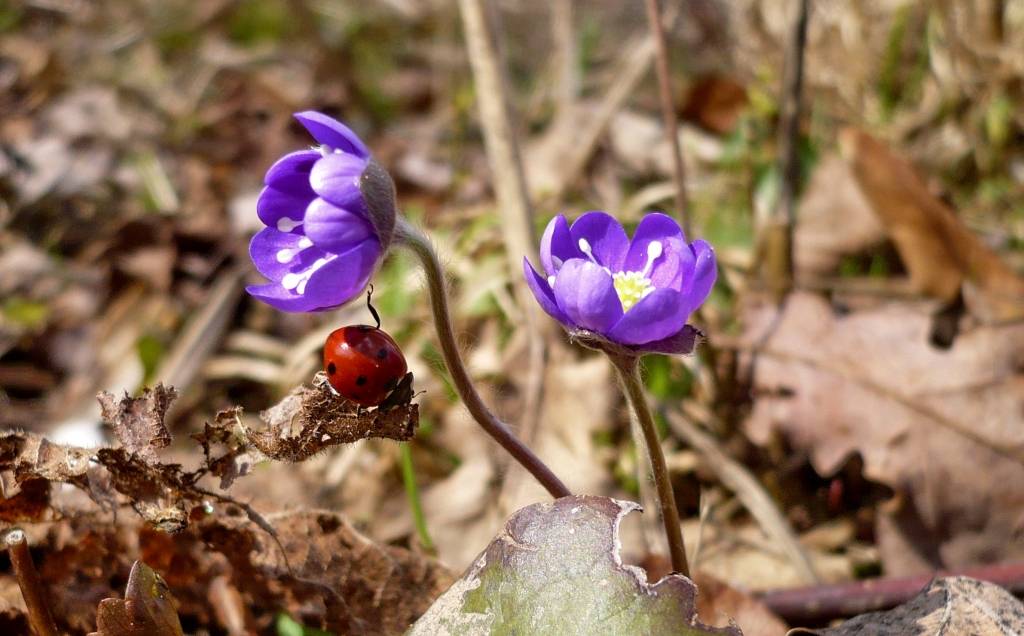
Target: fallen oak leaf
[[147, 608]]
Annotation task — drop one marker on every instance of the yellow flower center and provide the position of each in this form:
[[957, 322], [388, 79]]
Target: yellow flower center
[[631, 287]]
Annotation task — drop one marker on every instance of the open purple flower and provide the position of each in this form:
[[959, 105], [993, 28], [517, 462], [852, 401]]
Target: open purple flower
[[322, 242], [636, 294]]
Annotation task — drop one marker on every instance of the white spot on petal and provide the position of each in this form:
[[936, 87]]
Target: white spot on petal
[[285, 224]]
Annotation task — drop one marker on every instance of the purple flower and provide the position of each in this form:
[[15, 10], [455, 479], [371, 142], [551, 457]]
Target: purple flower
[[636, 294], [322, 242]]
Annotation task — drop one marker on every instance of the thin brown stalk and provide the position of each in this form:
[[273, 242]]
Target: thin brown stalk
[[776, 232], [668, 112], [32, 589]]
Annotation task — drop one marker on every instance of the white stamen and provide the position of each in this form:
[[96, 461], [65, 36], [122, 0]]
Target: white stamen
[[557, 262], [586, 249], [654, 249], [323, 149], [284, 224], [551, 281], [284, 255], [320, 262], [291, 281]]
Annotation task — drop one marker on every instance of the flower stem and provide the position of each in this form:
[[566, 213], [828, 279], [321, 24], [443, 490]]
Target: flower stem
[[412, 491], [420, 245], [32, 589], [629, 375]]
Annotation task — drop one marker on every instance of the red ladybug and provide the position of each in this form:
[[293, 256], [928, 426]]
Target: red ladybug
[[363, 363], [366, 365]]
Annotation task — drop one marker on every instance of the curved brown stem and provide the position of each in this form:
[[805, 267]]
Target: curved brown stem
[[419, 244]]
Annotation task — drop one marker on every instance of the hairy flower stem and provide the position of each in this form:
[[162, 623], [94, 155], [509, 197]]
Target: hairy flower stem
[[32, 590], [629, 375], [419, 244]]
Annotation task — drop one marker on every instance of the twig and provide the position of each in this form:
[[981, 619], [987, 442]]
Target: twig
[[629, 375], [749, 491], [567, 78], [32, 589], [419, 244], [510, 187], [637, 56], [668, 112], [412, 492], [821, 603], [776, 240]]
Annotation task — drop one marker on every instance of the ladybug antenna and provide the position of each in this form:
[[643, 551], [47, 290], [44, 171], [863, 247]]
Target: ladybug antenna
[[369, 305]]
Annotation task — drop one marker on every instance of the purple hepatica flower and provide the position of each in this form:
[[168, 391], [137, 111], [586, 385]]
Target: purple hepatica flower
[[633, 295], [321, 243]]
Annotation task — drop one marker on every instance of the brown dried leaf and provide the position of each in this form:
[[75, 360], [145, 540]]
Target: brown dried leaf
[[941, 427], [954, 605], [340, 580], [312, 419], [939, 251], [834, 219], [146, 610], [139, 422]]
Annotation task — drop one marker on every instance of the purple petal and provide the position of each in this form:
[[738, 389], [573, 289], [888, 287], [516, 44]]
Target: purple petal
[[273, 205], [291, 172], [335, 281], [280, 298], [585, 293], [675, 259], [276, 253], [697, 286], [346, 276], [557, 245], [682, 342], [334, 229], [608, 241], [331, 132], [336, 178], [543, 293], [657, 316]]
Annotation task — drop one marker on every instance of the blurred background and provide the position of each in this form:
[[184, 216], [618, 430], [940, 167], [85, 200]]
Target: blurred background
[[874, 388]]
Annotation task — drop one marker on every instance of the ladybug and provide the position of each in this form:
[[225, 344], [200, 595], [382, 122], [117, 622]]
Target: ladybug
[[364, 364]]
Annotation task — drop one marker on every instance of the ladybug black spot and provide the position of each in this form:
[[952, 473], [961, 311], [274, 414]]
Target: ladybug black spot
[[331, 369], [361, 380], [382, 353]]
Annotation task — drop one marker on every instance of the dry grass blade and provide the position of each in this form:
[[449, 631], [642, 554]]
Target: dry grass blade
[[737, 478]]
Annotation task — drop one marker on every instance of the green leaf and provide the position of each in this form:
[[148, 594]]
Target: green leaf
[[555, 569], [288, 626]]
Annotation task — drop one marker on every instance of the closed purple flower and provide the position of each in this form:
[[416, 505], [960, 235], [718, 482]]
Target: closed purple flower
[[321, 243], [636, 294]]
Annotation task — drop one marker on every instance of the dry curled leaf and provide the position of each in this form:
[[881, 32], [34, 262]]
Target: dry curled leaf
[[139, 422], [940, 427], [312, 419], [940, 252], [954, 605], [147, 608]]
